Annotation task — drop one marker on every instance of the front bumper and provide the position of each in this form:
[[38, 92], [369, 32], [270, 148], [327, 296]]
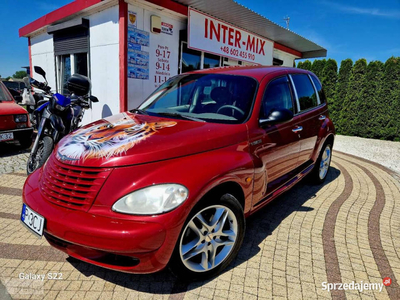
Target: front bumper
[[20, 133], [129, 245]]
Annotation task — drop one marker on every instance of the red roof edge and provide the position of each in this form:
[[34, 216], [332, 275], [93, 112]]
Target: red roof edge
[[287, 49], [56, 15], [171, 5]]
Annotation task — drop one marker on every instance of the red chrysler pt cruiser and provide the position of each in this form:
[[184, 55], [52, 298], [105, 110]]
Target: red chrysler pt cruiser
[[171, 182]]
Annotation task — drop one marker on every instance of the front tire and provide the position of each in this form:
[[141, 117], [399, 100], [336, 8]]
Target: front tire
[[37, 159], [210, 239]]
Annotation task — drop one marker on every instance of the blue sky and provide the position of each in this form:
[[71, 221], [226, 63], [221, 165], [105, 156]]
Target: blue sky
[[348, 29], [367, 29]]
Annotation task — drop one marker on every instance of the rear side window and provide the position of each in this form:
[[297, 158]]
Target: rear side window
[[4, 95], [305, 91], [277, 96], [320, 91]]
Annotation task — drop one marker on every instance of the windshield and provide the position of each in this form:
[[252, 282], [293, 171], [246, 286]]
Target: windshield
[[203, 97], [4, 95]]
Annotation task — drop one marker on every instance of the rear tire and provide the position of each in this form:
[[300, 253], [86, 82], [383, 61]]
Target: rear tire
[[322, 165], [37, 159], [210, 239]]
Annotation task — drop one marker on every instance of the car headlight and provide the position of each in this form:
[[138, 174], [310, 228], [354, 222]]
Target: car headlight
[[152, 200], [20, 118]]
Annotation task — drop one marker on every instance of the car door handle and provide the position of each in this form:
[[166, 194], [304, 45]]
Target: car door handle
[[297, 129], [322, 117]]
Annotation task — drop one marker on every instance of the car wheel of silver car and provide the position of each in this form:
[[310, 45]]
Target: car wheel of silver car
[[210, 239], [322, 164]]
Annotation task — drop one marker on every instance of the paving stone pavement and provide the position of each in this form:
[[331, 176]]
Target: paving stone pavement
[[346, 230], [12, 158]]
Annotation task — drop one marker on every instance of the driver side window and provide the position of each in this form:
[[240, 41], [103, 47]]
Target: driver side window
[[277, 96]]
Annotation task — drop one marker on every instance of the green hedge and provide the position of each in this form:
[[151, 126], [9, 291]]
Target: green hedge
[[364, 99]]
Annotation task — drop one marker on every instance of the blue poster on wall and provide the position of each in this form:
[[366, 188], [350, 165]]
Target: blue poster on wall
[[136, 57], [138, 36], [138, 72], [132, 46]]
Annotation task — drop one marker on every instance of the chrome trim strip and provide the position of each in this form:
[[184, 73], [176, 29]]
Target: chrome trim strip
[[295, 93], [315, 89]]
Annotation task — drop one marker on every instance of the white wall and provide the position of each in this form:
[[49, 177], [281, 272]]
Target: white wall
[[104, 63], [139, 89], [42, 52], [287, 58]]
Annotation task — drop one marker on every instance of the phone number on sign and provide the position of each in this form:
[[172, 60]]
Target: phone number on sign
[[236, 52]]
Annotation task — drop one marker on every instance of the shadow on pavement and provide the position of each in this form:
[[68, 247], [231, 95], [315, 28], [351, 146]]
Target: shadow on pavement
[[8, 149], [11, 149], [259, 227]]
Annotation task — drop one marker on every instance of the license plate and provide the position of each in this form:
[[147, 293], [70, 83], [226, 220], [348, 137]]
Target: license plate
[[32, 219], [6, 136]]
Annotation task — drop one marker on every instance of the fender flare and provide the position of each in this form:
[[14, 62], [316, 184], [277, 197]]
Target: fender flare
[[326, 131]]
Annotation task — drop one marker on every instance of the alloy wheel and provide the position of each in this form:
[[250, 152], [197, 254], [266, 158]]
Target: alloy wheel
[[208, 238], [325, 162]]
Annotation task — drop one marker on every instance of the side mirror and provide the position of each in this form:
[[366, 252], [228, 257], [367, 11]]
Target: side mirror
[[18, 98], [277, 116], [40, 71], [27, 83], [93, 99]]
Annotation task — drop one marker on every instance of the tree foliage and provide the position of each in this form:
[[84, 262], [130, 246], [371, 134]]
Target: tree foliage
[[367, 106], [363, 100], [305, 65], [388, 118], [20, 74], [356, 85], [341, 91], [329, 78], [318, 66]]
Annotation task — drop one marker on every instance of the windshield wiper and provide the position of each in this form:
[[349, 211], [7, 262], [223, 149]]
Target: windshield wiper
[[140, 111], [179, 116]]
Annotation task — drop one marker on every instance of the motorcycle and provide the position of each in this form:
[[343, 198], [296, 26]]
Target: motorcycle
[[33, 99], [58, 116]]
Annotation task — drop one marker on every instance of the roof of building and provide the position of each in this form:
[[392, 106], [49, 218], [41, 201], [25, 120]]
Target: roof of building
[[225, 10], [241, 16]]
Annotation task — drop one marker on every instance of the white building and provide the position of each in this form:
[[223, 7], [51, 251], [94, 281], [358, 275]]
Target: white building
[[130, 47]]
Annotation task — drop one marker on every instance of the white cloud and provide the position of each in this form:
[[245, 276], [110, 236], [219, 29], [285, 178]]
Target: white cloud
[[393, 14]]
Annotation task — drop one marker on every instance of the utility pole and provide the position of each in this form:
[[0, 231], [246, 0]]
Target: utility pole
[[287, 20]]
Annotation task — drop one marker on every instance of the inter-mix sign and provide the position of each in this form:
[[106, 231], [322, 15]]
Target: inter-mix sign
[[214, 36]]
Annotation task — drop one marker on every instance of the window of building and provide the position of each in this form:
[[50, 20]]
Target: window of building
[[68, 65], [277, 62], [227, 62], [305, 91], [71, 50], [277, 96], [211, 61], [192, 60]]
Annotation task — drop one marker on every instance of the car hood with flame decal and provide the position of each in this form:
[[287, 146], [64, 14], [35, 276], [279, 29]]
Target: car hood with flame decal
[[129, 139]]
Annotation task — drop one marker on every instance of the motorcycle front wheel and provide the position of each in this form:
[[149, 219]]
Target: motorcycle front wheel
[[38, 158]]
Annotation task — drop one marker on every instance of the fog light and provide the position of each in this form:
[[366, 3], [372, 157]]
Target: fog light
[[23, 125]]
